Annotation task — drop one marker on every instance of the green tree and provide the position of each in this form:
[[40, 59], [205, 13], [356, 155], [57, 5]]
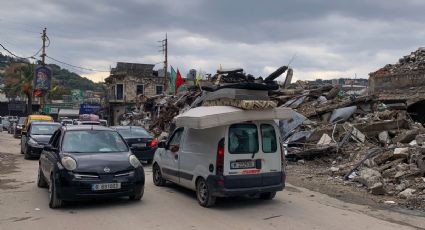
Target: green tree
[[18, 80]]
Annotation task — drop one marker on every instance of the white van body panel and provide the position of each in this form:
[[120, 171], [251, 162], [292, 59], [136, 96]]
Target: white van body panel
[[198, 152]]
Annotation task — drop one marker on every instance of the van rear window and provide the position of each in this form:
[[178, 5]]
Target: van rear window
[[243, 138], [268, 138]]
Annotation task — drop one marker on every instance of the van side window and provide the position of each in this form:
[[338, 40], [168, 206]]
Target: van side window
[[175, 139], [268, 138], [243, 138]]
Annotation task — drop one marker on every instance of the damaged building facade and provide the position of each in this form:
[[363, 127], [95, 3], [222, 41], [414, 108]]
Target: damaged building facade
[[127, 84]]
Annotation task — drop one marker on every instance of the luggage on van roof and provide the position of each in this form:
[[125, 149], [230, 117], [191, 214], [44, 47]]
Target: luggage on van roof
[[212, 116]]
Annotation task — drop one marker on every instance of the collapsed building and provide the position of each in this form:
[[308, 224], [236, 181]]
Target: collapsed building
[[373, 138]]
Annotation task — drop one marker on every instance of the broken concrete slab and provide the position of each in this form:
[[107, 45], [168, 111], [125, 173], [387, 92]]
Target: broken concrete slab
[[325, 140], [377, 189], [420, 139], [401, 153], [373, 129], [384, 137], [406, 137]]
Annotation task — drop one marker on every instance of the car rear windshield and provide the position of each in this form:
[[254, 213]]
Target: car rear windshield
[[93, 141], [21, 120], [268, 138], [43, 129], [243, 138], [134, 133]]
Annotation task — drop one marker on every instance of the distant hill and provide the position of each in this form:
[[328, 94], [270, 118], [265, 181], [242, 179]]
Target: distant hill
[[64, 78]]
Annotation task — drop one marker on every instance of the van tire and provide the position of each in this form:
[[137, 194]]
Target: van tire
[[203, 194], [138, 194], [158, 180], [267, 195]]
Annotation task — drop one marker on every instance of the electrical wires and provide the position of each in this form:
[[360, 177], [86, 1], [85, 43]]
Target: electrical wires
[[74, 66], [16, 56]]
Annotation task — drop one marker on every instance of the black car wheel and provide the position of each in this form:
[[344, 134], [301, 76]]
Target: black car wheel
[[203, 193], [54, 201], [267, 195], [138, 194], [149, 162], [41, 182], [157, 176]]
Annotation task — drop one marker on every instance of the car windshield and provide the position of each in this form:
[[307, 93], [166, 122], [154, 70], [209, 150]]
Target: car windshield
[[43, 129], [134, 132], [93, 141]]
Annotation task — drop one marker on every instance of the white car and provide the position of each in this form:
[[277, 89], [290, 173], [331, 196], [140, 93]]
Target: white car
[[227, 159]]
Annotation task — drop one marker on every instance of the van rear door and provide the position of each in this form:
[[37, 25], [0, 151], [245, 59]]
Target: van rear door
[[252, 149]]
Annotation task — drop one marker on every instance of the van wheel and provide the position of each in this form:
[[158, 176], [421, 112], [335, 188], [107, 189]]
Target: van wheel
[[267, 195], [203, 193], [157, 176], [54, 201], [41, 182], [138, 194]]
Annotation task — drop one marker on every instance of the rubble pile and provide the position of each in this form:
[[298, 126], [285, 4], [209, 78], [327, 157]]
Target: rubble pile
[[413, 62]]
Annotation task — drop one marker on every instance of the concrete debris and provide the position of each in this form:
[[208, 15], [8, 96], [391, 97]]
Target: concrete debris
[[407, 193], [401, 153], [384, 137], [325, 140], [369, 177], [377, 189]]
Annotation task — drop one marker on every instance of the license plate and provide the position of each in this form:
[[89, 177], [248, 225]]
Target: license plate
[[106, 186], [242, 164], [140, 145]]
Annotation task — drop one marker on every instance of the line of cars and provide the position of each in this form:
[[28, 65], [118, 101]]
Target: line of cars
[[85, 161]]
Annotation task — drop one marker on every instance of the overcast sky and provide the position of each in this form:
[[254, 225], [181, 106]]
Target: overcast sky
[[332, 38]]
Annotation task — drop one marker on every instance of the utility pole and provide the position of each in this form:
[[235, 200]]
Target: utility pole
[[164, 50], [43, 51]]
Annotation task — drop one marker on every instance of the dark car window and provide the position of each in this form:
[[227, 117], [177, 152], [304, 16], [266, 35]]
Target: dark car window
[[177, 136], [243, 138], [43, 129], [93, 141], [54, 141], [268, 138], [134, 132]]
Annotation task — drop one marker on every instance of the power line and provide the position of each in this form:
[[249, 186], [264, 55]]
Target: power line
[[14, 55], [78, 67]]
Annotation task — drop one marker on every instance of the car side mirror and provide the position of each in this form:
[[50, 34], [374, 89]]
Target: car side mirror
[[49, 148], [162, 144], [174, 148]]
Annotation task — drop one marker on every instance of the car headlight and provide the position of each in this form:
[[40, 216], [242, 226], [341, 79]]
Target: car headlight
[[69, 163], [134, 161], [34, 143]]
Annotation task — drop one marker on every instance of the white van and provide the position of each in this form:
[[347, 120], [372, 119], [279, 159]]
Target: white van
[[217, 157]]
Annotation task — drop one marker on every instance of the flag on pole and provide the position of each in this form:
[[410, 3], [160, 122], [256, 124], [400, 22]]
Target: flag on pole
[[198, 78], [179, 81], [172, 80]]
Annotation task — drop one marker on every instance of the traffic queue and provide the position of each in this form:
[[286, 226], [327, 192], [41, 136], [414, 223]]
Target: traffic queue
[[217, 151]]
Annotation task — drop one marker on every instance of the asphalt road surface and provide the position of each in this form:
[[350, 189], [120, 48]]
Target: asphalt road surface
[[25, 206]]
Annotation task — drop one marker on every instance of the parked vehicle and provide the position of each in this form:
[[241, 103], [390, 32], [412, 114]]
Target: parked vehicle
[[32, 118], [87, 119], [67, 122], [86, 162], [38, 135], [18, 128], [103, 122], [141, 143], [5, 124], [11, 127], [220, 154]]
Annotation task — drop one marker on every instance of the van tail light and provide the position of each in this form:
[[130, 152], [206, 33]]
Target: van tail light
[[153, 143], [220, 158]]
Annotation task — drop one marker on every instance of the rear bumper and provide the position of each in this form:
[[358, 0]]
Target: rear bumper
[[224, 186], [144, 155], [70, 188]]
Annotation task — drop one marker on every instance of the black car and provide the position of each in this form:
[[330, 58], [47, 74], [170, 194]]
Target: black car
[[38, 135], [17, 131], [85, 162], [142, 144]]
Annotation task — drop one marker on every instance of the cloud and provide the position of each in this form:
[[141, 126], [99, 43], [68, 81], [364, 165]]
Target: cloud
[[328, 38]]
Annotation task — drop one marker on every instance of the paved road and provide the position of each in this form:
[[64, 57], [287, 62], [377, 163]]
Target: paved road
[[24, 206]]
